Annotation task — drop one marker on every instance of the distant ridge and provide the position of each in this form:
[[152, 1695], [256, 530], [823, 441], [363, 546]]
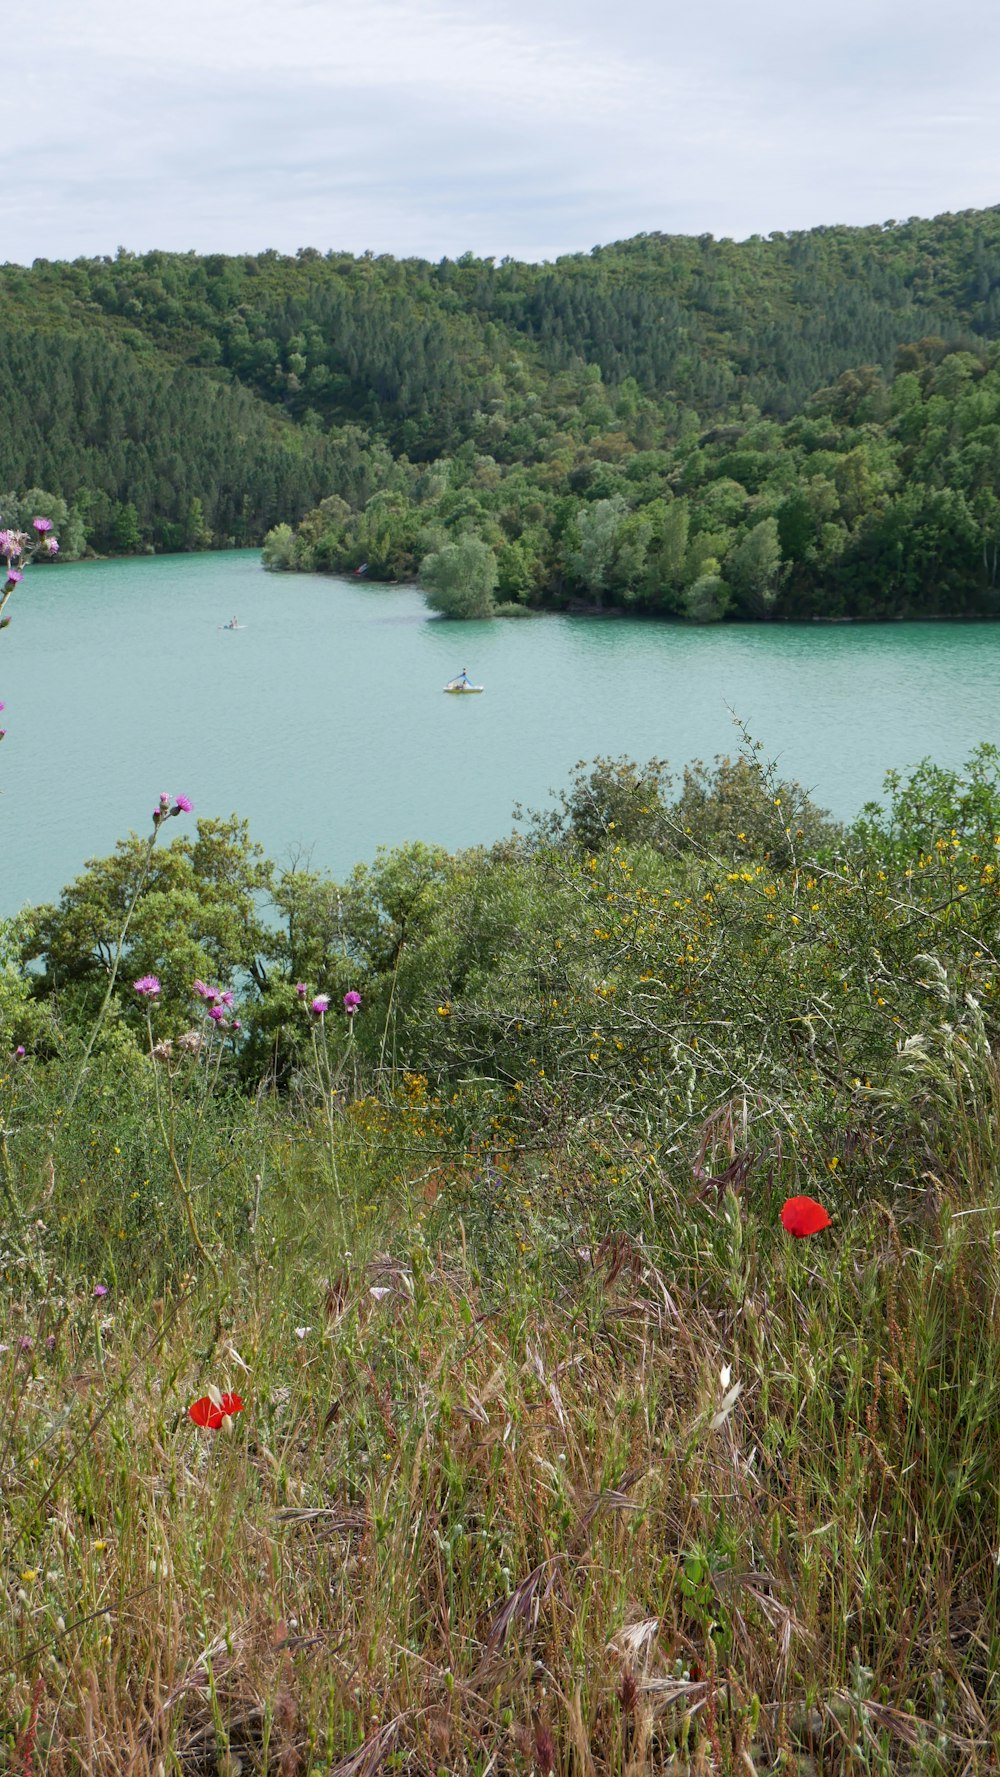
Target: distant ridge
[[217, 395]]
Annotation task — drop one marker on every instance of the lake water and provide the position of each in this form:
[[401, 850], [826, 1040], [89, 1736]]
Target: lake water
[[322, 721]]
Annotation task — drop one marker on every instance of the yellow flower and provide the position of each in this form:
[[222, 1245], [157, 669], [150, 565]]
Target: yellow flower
[[29, 1575]]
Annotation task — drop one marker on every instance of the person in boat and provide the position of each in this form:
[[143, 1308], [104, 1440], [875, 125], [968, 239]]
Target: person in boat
[[464, 679]]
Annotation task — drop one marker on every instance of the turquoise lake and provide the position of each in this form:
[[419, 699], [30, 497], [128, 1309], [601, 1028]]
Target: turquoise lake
[[323, 721]]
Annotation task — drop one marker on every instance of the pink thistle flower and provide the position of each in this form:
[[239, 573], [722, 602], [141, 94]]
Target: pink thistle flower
[[217, 1014], [183, 805], [51, 546], [14, 576], [42, 525], [26, 1344], [236, 1025], [100, 1289], [165, 800], [11, 543], [320, 1004], [203, 991], [20, 1052], [301, 989], [148, 986], [352, 1001]]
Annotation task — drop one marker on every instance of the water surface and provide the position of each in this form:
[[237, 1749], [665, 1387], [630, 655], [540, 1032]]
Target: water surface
[[322, 720]]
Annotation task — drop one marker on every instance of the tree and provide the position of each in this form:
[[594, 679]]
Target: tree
[[278, 553], [196, 532], [598, 529], [673, 542], [753, 568], [707, 600], [459, 580], [199, 915], [126, 537]]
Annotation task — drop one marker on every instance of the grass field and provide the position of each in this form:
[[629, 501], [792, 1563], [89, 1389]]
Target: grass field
[[556, 1451]]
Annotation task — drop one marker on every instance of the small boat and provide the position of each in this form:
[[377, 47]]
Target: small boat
[[462, 685]]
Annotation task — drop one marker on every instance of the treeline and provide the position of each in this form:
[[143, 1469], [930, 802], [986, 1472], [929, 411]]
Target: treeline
[[878, 500], [176, 400], [419, 350], [148, 453]]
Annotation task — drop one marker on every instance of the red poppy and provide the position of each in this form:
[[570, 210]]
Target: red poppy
[[206, 1412], [803, 1215]]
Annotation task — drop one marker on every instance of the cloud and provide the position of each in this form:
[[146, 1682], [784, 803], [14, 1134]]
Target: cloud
[[418, 126]]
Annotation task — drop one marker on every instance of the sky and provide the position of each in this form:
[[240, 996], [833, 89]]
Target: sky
[[528, 128]]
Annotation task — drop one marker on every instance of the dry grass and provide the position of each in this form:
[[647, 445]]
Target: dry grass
[[502, 1512]]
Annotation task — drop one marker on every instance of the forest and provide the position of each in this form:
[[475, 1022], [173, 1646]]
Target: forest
[[799, 426]]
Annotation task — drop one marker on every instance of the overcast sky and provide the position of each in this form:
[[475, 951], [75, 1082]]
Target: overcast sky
[[522, 127]]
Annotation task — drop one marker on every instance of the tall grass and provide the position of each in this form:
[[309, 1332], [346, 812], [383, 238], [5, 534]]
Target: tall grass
[[556, 1452], [491, 1503]]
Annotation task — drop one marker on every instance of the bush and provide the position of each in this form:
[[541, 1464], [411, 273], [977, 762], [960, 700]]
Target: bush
[[459, 580], [737, 808], [280, 551]]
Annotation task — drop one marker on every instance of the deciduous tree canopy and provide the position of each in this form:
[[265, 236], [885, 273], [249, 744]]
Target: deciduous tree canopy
[[805, 425]]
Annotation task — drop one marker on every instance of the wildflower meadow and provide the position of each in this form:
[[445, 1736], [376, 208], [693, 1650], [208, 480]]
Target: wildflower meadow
[[528, 1309]]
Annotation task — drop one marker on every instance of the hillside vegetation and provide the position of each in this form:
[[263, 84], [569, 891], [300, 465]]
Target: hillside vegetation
[[554, 1451], [794, 426]]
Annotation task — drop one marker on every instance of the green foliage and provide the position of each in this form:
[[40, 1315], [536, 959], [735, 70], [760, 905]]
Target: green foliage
[[197, 917], [936, 810], [18, 511], [754, 566], [707, 599], [731, 892], [864, 505], [624, 427], [608, 802], [737, 809], [499, 1272], [460, 578], [279, 551], [24, 1021], [598, 531]]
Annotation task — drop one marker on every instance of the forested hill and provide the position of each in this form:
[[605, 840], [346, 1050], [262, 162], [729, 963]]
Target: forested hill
[[174, 398]]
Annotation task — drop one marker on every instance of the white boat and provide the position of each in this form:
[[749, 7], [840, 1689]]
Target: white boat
[[462, 686]]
